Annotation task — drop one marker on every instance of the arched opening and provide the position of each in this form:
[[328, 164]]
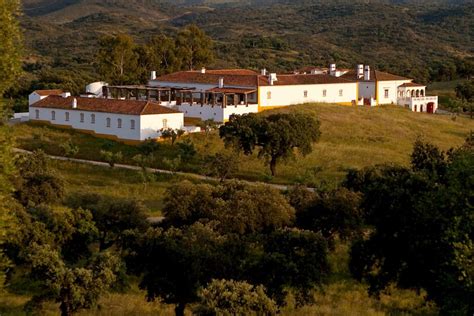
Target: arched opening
[[421, 107], [430, 107], [413, 93], [415, 109], [417, 93], [422, 92]]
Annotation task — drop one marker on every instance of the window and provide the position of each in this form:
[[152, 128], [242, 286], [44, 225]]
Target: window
[[37, 114], [269, 95], [305, 93], [132, 124], [386, 93], [341, 92], [325, 92], [108, 121], [119, 123], [53, 115], [82, 117], [67, 116], [165, 123], [92, 118]]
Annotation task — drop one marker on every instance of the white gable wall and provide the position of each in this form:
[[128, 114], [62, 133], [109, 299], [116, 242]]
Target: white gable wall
[[34, 97], [152, 123]]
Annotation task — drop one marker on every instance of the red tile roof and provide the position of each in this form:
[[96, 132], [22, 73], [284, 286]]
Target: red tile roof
[[232, 72], [247, 80], [231, 90], [44, 93], [195, 77], [412, 84], [296, 79], [375, 75], [129, 107]]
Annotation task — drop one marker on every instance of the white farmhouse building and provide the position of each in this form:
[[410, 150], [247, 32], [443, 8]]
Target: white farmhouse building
[[37, 95], [245, 91], [125, 120], [378, 88]]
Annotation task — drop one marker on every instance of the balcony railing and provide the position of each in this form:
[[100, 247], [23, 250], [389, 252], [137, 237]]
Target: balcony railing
[[419, 99]]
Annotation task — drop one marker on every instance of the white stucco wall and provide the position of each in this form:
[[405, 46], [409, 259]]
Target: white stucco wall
[[294, 94], [392, 87], [100, 125], [198, 86], [366, 89], [34, 97], [419, 104], [151, 124]]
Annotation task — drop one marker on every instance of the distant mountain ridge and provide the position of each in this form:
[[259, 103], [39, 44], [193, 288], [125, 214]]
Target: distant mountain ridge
[[422, 39]]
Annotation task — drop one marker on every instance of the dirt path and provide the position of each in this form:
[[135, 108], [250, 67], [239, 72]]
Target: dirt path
[[162, 171]]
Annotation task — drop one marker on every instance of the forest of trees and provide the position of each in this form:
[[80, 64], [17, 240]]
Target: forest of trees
[[409, 226]]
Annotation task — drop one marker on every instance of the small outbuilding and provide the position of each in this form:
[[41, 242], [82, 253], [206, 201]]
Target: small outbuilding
[[127, 120]]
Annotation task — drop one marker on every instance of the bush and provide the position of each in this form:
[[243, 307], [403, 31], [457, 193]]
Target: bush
[[228, 297]]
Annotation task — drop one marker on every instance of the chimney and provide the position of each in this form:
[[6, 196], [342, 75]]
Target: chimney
[[203, 70], [66, 94], [272, 78], [367, 73], [360, 71], [332, 69], [153, 75], [74, 103], [264, 72], [221, 82]]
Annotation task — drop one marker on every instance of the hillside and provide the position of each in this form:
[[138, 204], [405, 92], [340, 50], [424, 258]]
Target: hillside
[[426, 42], [351, 138]]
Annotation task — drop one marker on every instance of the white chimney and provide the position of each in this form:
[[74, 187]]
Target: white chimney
[[360, 71], [272, 78], [74, 103], [203, 70], [153, 75], [66, 94], [264, 72], [332, 69], [367, 73], [221, 82]]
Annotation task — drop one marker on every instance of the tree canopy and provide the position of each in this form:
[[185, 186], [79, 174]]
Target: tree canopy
[[120, 60], [276, 136], [422, 226], [11, 39]]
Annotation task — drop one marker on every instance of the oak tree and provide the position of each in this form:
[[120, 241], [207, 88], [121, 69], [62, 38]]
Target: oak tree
[[276, 136]]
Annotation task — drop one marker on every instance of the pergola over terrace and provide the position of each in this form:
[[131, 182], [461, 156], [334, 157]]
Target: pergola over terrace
[[182, 95]]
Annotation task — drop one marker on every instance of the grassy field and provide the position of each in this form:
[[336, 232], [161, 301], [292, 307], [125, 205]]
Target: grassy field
[[115, 183], [351, 138]]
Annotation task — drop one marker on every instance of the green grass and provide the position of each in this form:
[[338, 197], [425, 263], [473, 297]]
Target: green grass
[[351, 138], [114, 183]]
